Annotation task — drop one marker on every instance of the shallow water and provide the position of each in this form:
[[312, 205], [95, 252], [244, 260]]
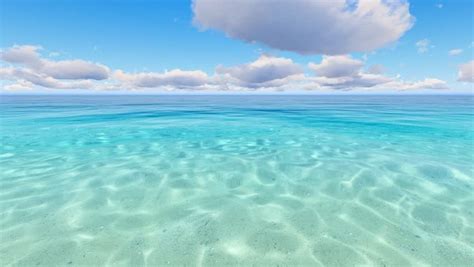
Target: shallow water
[[237, 180]]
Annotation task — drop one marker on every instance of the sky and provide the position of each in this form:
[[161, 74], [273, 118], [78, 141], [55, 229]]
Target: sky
[[340, 46]]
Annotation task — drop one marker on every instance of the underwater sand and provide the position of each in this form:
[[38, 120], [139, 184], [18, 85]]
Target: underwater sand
[[236, 180]]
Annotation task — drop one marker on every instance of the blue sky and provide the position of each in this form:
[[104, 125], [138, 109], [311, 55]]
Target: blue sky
[[159, 36]]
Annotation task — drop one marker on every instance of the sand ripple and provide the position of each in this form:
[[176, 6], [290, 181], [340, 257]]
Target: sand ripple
[[160, 185]]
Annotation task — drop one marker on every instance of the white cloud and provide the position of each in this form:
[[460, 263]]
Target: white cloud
[[427, 83], [6, 73], [362, 80], [466, 72], [265, 71], [308, 27], [22, 54], [28, 65], [337, 66], [28, 70], [455, 52], [29, 57], [74, 69], [175, 78], [345, 72], [20, 85], [24, 74], [376, 69], [423, 46]]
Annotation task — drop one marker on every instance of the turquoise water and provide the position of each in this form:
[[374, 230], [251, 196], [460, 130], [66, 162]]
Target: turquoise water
[[237, 180]]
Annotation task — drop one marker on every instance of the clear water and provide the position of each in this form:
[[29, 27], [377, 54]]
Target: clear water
[[237, 180]]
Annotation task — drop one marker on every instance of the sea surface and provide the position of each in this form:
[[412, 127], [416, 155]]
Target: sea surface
[[237, 180]]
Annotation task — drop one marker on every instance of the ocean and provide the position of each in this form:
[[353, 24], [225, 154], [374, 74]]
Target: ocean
[[202, 180]]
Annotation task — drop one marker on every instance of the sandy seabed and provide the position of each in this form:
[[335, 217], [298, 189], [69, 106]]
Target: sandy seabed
[[214, 182]]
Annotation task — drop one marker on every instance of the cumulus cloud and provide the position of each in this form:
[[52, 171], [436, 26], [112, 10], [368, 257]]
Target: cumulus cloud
[[363, 80], [308, 27], [346, 73], [26, 69], [337, 66], [340, 72], [376, 69], [74, 69], [455, 52], [39, 79], [427, 83], [19, 85], [176, 78], [29, 57], [466, 72], [22, 54], [265, 71], [423, 45]]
